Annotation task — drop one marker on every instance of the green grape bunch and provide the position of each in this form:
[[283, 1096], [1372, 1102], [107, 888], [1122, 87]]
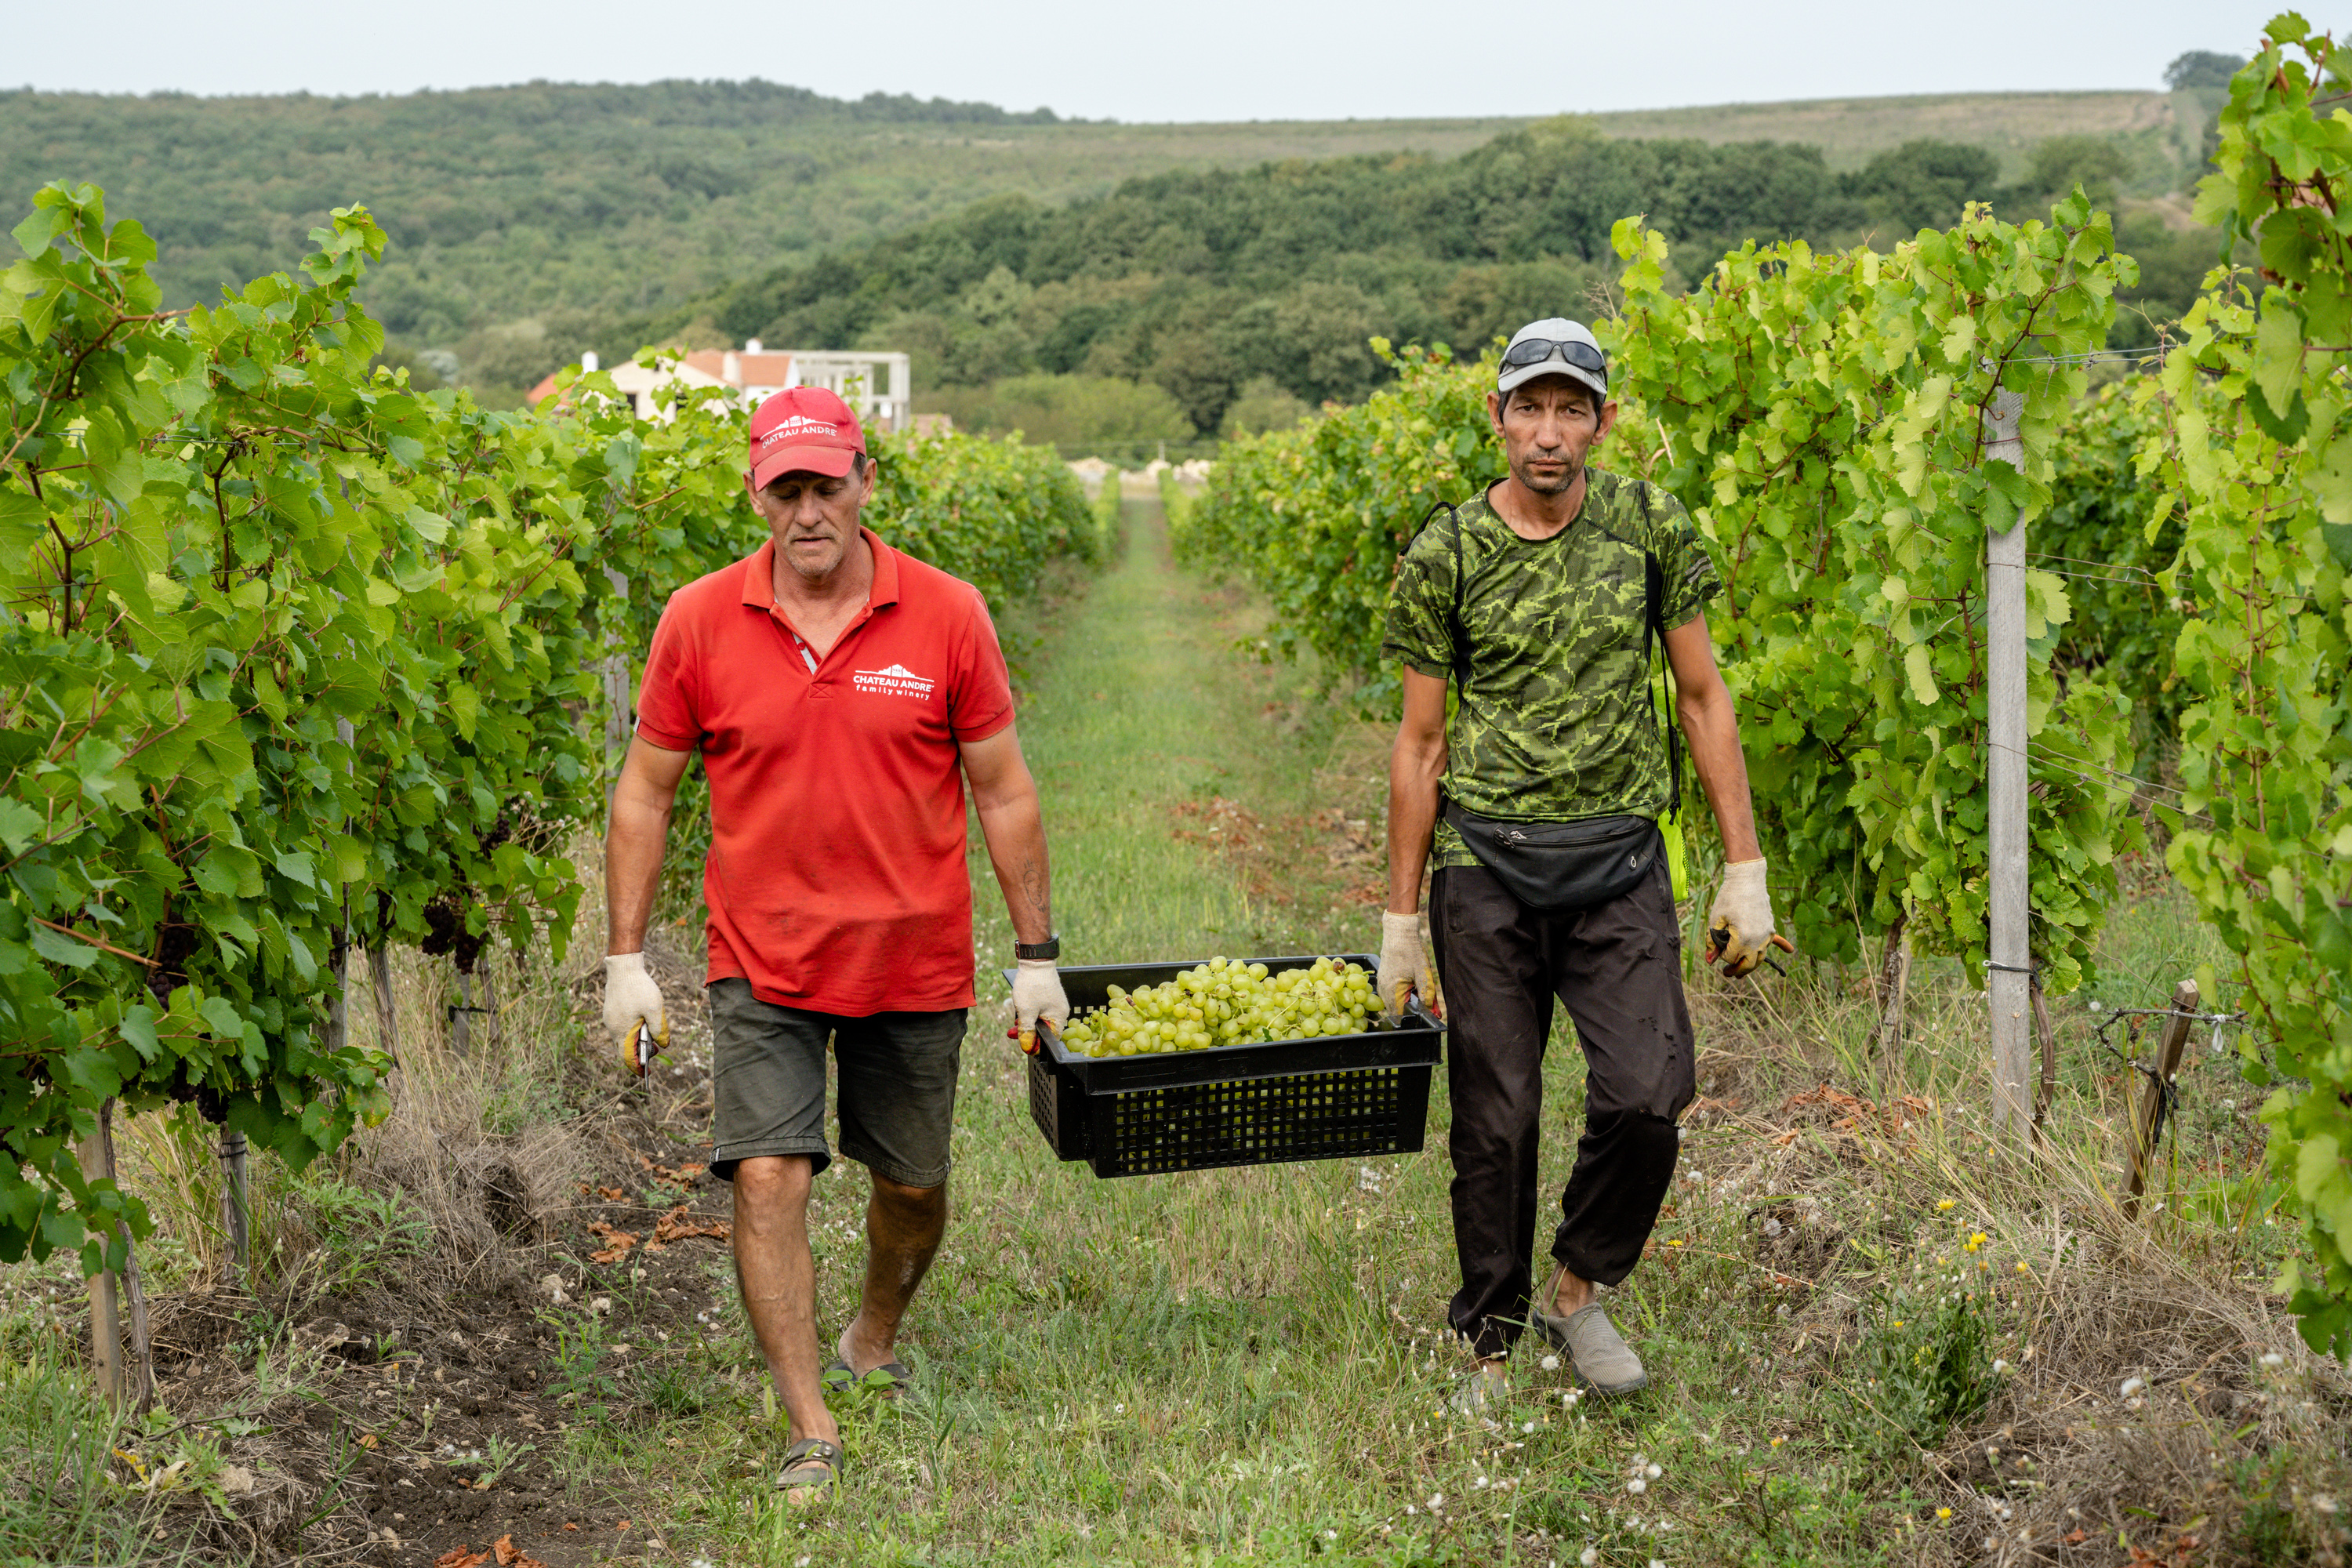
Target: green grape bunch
[[1227, 1003]]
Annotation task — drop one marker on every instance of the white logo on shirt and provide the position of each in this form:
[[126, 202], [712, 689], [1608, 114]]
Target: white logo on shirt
[[893, 677]]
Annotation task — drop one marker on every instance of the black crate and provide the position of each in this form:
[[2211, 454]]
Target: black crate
[[1340, 1097]]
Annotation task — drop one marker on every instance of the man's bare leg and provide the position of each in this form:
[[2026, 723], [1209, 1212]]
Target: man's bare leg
[[1565, 1294], [777, 1275], [1569, 1292], [903, 1226]]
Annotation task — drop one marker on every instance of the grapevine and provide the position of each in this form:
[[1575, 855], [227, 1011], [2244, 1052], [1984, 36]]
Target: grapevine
[[1819, 415], [293, 657], [1824, 415], [2250, 441]]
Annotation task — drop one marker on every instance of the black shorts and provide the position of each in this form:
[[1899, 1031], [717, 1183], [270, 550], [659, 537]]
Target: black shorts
[[898, 1084]]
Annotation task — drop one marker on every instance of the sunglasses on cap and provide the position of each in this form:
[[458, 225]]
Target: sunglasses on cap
[[1536, 351]]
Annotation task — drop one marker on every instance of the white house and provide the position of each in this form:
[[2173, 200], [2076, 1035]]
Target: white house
[[877, 383]]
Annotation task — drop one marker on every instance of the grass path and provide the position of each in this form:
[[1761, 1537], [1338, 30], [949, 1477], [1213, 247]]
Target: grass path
[[1138, 712]]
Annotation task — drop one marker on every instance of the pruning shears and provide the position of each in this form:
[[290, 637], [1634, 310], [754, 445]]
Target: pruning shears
[[639, 1051], [1031, 1040], [1718, 939]]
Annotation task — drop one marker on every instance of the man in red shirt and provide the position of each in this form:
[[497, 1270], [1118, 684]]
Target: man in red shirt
[[840, 693]]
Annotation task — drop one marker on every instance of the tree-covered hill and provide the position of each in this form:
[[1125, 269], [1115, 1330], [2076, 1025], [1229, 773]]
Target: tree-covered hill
[[528, 223], [1222, 285], [513, 202]]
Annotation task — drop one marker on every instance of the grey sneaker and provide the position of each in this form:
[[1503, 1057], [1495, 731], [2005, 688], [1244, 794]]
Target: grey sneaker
[[1604, 1362]]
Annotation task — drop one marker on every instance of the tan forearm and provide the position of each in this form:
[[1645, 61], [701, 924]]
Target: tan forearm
[[1415, 767], [1711, 727], [1014, 827], [637, 831], [633, 859]]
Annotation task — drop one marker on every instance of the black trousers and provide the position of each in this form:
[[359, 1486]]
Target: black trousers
[[1617, 969]]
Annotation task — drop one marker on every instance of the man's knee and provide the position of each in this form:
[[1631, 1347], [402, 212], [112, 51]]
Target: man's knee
[[1639, 1135], [910, 1201], [773, 1184]]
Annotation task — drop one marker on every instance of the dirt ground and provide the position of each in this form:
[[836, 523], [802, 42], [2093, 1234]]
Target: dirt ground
[[419, 1420]]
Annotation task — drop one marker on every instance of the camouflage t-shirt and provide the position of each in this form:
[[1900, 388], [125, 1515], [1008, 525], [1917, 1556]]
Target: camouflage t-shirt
[[1556, 722]]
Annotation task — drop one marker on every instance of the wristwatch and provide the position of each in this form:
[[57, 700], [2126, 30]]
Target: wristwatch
[[1049, 948]]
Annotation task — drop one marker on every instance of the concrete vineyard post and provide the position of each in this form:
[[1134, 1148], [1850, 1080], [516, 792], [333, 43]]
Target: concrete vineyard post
[[2010, 966]]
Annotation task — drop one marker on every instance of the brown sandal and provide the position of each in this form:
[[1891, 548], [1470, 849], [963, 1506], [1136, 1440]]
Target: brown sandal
[[811, 1471]]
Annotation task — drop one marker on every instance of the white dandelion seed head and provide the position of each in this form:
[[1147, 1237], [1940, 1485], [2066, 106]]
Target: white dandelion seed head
[[1549, 1363], [1637, 1486], [1655, 1471], [1999, 1366], [1589, 1556], [1436, 1501], [2272, 1358], [1526, 1426], [1480, 1484], [2323, 1503], [2131, 1385]]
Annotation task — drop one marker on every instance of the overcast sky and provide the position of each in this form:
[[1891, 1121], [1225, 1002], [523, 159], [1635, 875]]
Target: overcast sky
[[1210, 59]]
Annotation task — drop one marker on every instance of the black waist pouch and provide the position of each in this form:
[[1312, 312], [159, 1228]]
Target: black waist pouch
[[1560, 868]]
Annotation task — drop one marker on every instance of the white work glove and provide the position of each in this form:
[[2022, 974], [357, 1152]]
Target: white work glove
[[1739, 927], [1037, 994], [634, 1012], [1405, 966]]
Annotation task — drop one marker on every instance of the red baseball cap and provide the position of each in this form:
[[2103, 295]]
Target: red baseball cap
[[803, 429]]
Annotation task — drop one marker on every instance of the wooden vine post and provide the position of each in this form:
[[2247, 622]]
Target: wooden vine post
[[131, 1381], [2148, 1115], [2008, 972], [387, 1021], [237, 1203], [105, 1310], [1894, 982]]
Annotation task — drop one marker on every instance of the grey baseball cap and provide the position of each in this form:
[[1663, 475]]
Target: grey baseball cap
[[1567, 348]]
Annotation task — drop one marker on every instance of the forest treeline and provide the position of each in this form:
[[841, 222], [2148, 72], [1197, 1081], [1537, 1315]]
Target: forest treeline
[[1259, 289], [502, 201], [1087, 283]]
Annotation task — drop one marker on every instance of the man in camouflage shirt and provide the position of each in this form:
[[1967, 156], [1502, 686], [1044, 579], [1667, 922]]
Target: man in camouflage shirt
[[1535, 599]]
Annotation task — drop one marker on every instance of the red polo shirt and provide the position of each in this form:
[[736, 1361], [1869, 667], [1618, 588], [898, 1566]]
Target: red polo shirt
[[837, 880]]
